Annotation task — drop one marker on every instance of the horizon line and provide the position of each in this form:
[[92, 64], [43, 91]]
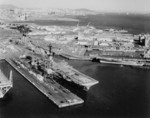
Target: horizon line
[[100, 11]]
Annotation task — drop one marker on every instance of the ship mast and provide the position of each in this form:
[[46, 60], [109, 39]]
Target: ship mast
[[50, 55]]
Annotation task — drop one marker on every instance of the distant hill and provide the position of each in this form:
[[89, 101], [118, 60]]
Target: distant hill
[[11, 12], [7, 6], [86, 10]]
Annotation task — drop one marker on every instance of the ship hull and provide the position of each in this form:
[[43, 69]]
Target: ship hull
[[122, 63], [77, 77]]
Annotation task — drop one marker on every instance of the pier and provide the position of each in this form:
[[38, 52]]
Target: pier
[[59, 95]]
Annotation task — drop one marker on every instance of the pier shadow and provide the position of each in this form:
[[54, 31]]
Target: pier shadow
[[74, 88]]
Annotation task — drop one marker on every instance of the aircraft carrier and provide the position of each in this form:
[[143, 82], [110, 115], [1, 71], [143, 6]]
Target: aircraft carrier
[[70, 74]]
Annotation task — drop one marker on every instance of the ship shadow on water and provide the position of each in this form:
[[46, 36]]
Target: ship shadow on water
[[69, 108], [6, 99]]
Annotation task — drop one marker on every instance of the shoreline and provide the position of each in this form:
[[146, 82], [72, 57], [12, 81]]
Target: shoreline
[[43, 19]]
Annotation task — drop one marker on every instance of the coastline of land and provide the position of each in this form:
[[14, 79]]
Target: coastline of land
[[54, 18]]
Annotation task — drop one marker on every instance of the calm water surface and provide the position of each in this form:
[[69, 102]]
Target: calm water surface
[[121, 92], [135, 24]]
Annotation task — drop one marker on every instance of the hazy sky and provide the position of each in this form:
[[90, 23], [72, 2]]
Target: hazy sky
[[99, 5]]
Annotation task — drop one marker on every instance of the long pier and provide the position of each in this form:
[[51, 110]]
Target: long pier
[[54, 91]]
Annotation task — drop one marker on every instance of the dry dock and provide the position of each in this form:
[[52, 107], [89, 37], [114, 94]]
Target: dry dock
[[54, 91]]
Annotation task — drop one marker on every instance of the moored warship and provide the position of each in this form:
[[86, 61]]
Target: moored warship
[[63, 70], [126, 63]]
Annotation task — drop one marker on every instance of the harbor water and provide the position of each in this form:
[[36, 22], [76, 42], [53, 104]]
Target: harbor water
[[121, 92], [135, 24]]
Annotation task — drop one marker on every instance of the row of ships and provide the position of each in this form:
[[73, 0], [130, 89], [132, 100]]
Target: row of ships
[[47, 76]]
